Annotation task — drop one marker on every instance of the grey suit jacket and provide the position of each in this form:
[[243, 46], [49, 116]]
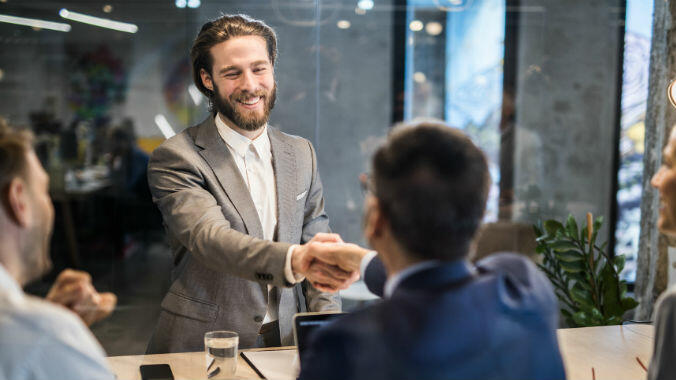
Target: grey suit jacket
[[222, 265]]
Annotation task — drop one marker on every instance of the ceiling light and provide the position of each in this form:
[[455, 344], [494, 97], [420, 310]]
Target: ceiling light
[[671, 93], [344, 24], [366, 5], [419, 77], [416, 25], [35, 23], [195, 94], [194, 3], [2, 74], [360, 11], [107, 8], [434, 28], [164, 126], [181, 3], [97, 21]]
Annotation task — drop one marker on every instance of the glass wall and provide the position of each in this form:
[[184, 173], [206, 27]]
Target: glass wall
[[533, 83], [634, 97]]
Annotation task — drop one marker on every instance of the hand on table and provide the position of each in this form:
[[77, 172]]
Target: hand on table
[[74, 290], [328, 263]]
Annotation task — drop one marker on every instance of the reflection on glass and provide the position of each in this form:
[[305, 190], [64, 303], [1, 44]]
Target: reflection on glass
[[634, 98], [454, 60]]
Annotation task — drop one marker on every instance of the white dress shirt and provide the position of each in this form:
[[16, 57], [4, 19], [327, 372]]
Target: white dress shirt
[[40, 340], [254, 161]]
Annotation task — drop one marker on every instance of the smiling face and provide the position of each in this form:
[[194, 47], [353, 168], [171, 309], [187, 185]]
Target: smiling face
[[665, 181], [242, 80]]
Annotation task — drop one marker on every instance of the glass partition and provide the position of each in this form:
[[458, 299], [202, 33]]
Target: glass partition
[[533, 83]]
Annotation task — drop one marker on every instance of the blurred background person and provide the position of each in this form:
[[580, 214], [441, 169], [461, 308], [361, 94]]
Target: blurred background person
[[40, 340]]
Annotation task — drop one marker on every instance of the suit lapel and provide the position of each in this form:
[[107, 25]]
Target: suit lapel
[[218, 156], [284, 164]]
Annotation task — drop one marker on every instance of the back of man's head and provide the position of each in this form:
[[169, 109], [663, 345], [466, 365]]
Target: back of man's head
[[14, 148], [432, 183]]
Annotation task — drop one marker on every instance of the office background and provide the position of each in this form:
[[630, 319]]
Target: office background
[[555, 93]]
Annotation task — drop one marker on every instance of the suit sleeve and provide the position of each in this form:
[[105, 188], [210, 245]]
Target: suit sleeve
[[375, 276], [315, 220], [193, 216], [662, 365]]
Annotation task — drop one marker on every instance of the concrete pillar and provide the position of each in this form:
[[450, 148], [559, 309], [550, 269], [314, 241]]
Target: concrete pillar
[[651, 276]]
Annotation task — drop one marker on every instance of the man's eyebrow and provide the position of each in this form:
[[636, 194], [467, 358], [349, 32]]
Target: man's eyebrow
[[227, 68], [233, 67]]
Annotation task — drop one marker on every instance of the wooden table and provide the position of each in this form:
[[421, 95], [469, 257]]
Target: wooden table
[[610, 350]]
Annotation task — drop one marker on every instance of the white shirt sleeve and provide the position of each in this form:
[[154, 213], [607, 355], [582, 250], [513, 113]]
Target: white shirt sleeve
[[291, 277]]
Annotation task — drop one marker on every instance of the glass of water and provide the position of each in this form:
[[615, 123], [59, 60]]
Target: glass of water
[[221, 354]]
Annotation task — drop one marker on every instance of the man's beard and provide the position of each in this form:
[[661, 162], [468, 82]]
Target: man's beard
[[249, 121]]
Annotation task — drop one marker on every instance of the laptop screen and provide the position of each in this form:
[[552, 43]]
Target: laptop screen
[[304, 324]]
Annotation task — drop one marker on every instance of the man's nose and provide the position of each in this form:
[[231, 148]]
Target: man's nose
[[657, 178], [248, 82]]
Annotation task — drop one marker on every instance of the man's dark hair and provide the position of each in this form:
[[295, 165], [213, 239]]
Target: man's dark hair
[[220, 30], [432, 183], [14, 148]]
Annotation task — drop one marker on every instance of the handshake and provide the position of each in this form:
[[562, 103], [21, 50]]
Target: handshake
[[328, 263]]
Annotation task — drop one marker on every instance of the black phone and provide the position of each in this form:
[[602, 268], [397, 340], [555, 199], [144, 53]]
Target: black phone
[[156, 372]]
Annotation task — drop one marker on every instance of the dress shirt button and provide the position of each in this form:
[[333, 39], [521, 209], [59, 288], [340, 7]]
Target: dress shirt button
[[258, 318]]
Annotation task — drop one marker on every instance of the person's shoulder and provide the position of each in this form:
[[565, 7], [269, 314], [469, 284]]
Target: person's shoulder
[[42, 316], [293, 140], [521, 285], [508, 262], [180, 140], [45, 340]]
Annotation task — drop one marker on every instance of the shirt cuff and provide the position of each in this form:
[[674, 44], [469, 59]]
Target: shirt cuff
[[291, 277], [365, 261]]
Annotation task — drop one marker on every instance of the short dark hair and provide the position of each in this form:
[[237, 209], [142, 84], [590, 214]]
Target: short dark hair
[[432, 183], [14, 148], [221, 30]]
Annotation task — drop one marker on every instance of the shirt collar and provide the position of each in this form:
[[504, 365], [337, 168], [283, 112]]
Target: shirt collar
[[396, 279], [8, 283], [239, 143]]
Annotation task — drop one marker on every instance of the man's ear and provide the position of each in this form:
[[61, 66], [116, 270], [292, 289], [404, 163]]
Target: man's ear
[[18, 208], [375, 223], [206, 80]]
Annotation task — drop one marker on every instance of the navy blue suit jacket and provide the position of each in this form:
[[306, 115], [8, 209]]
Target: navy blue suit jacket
[[447, 322]]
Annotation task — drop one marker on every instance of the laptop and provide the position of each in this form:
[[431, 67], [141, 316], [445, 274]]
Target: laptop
[[304, 324], [285, 364]]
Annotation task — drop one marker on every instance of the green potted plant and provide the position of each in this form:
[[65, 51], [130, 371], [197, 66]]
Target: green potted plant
[[586, 279]]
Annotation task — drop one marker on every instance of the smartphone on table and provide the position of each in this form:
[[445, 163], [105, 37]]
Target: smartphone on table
[[156, 372]]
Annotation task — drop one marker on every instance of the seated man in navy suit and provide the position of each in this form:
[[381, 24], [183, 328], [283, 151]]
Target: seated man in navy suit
[[441, 317]]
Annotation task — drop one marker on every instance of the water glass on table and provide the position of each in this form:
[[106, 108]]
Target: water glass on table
[[221, 354]]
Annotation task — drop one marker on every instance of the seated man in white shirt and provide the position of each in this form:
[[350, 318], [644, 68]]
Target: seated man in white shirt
[[39, 339]]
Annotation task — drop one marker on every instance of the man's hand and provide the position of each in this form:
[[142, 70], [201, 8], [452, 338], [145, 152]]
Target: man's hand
[[346, 256], [328, 263], [74, 290]]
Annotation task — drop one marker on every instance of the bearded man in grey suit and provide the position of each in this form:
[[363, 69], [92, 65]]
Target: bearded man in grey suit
[[241, 202]]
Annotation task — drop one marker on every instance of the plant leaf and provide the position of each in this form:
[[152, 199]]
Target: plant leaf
[[552, 226], [581, 319], [562, 245], [611, 292], [569, 256], [572, 267], [628, 303], [571, 227], [581, 296], [619, 263], [597, 317]]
